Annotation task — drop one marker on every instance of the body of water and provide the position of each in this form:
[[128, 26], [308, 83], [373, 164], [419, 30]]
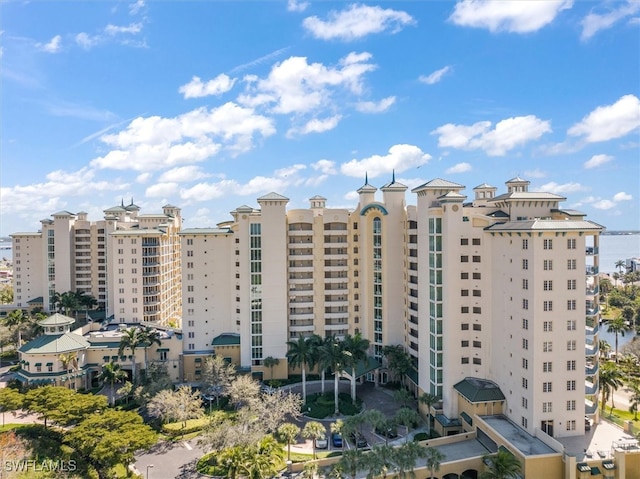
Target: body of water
[[617, 247]]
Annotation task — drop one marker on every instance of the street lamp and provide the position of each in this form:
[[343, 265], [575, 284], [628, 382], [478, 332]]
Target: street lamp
[[150, 466]]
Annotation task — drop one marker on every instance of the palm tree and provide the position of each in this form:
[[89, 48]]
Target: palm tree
[[68, 302], [333, 355], [317, 343], [434, 459], [604, 348], [338, 427], [289, 431], [406, 457], [502, 465], [355, 350], [271, 362], [111, 373], [428, 400], [263, 461], [314, 430], [610, 378], [300, 354], [617, 326], [378, 421], [17, 319], [351, 461], [151, 336], [132, 339], [380, 460], [634, 398], [621, 264], [68, 359], [407, 418]]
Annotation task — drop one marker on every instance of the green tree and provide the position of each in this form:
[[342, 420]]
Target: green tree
[[300, 354], [338, 427], [62, 405], [17, 320], [289, 432], [314, 430], [151, 336], [6, 294], [604, 348], [132, 339], [217, 375], [502, 465], [233, 459], [621, 265], [406, 456], [126, 391], [434, 459], [10, 400], [617, 326], [69, 362], [610, 378], [109, 438], [352, 461], [332, 354], [355, 350], [176, 406], [271, 362], [398, 361], [379, 461], [407, 418], [243, 391], [263, 460], [428, 400], [111, 374], [403, 397], [317, 343], [634, 397]]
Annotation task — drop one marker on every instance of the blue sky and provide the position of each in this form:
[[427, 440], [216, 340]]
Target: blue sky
[[209, 104]]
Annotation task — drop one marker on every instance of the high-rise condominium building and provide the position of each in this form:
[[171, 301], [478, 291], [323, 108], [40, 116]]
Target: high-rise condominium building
[[490, 288], [129, 262]]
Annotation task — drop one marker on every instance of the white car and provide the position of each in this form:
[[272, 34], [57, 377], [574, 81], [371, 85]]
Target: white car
[[321, 443]]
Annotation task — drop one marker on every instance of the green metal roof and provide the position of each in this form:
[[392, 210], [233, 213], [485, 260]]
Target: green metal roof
[[365, 366], [467, 418], [479, 390], [37, 300], [226, 339], [57, 319], [55, 343]]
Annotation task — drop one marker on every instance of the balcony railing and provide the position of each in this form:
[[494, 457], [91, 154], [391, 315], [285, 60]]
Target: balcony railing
[[591, 270], [590, 407], [591, 350], [592, 330], [593, 311], [590, 389], [591, 369]]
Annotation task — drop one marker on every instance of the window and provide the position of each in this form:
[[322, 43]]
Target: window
[[525, 284], [464, 292], [547, 326], [571, 385], [464, 361], [525, 383], [477, 344], [571, 264], [189, 265], [190, 300], [191, 346], [464, 343], [464, 326], [525, 264], [189, 242], [571, 405], [525, 244], [524, 403], [477, 293], [189, 253], [464, 309], [546, 407], [547, 346], [571, 243], [547, 244], [547, 387], [547, 305], [191, 323], [525, 343], [547, 367], [547, 265], [571, 304], [475, 241], [571, 284], [571, 325], [548, 285], [190, 288], [571, 425], [477, 276], [191, 335], [163, 355], [464, 259], [571, 345], [476, 259], [464, 275], [524, 422], [477, 310], [525, 363], [477, 361], [525, 323], [571, 365], [464, 241], [525, 304], [477, 327]]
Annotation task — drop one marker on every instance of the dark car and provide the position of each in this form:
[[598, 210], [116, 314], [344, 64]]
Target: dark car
[[358, 439], [336, 439], [388, 432]]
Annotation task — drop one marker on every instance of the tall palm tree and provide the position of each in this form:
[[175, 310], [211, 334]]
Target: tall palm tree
[[68, 359], [380, 461], [352, 461], [621, 264], [502, 465], [355, 350], [317, 343], [314, 430], [332, 354], [434, 459], [428, 400], [68, 302], [604, 348], [300, 354], [406, 457], [263, 460], [407, 418], [151, 336], [132, 339], [17, 319], [289, 431], [610, 378], [111, 374], [634, 398], [271, 362], [618, 325]]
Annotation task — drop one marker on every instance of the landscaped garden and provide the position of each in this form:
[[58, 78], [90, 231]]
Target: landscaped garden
[[320, 406]]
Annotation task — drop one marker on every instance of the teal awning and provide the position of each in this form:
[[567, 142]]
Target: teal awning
[[583, 467], [595, 471]]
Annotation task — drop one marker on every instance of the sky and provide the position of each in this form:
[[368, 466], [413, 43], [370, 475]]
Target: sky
[[209, 104]]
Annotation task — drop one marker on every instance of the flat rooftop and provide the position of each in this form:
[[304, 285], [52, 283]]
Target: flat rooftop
[[519, 438], [598, 443], [462, 450]]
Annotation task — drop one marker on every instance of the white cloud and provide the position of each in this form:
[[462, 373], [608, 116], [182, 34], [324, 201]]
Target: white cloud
[[537, 173], [296, 6], [316, 125], [622, 196], [327, 167], [183, 174], [459, 168], [87, 41], [400, 158], [155, 142], [609, 121], [357, 21], [143, 178], [196, 89], [54, 45], [515, 16], [597, 160], [563, 188], [506, 135], [594, 22], [132, 29], [134, 8], [295, 86], [604, 204], [375, 107], [436, 76], [161, 190]]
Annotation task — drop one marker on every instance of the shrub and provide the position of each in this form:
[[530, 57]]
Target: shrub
[[192, 425], [421, 436]]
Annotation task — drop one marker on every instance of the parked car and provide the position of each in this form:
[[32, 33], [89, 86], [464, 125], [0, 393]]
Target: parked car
[[359, 440], [388, 432], [336, 439], [321, 443]]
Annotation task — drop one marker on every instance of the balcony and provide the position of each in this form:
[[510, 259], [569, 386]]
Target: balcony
[[590, 408], [590, 389], [592, 291], [591, 350], [591, 250], [591, 369], [592, 270], [300, 241], [300, 322], [341, 316], [592, 330], [593, 310]]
